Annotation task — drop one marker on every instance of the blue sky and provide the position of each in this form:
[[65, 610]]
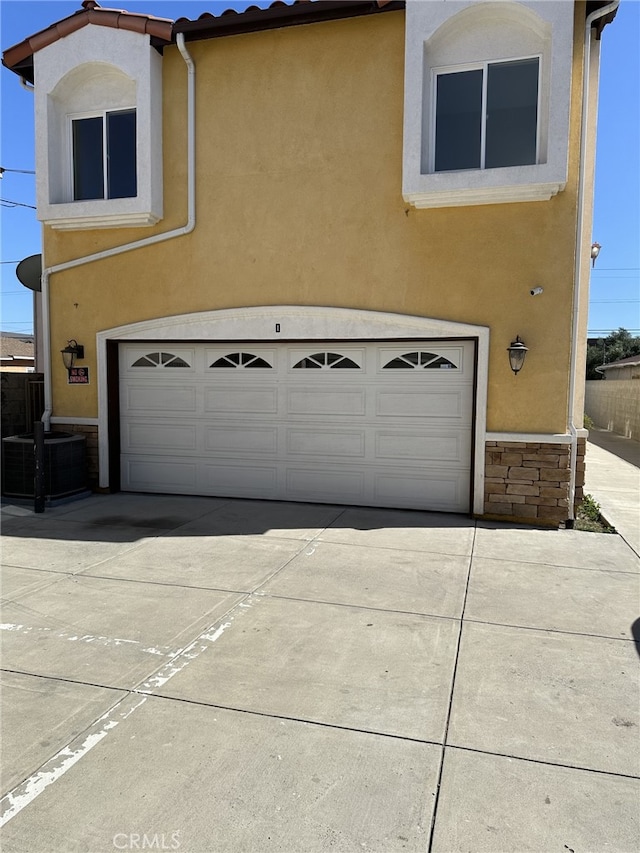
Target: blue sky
[[615, 282]]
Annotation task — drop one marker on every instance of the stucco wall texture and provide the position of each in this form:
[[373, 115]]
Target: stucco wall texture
[[298, 182]]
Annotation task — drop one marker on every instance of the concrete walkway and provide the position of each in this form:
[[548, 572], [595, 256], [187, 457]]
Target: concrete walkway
[[613, 478], [207, 676]]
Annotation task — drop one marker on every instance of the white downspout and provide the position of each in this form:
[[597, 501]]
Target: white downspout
[[138, 244], [599, 13]]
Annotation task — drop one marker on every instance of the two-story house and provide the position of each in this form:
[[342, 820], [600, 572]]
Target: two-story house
[[305, 249]]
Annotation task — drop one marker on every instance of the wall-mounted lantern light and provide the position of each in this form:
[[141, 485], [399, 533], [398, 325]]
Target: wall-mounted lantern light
[[517, 352], [71, 352], [595, 251]]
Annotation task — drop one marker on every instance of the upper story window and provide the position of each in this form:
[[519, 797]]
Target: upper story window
[[104, 155], [99, 130], [486, 117], [487, 101]]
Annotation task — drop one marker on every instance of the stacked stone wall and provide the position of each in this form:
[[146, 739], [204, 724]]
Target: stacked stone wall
[[529, 481]]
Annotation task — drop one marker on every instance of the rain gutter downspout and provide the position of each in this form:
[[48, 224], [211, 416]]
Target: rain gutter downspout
[[599, 13], [127, 247]]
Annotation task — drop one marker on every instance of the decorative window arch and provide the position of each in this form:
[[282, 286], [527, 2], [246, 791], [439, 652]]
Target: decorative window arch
[[468, 62], [160, 359], [242, 360], [413, 360], [326, 361], [99, 129]]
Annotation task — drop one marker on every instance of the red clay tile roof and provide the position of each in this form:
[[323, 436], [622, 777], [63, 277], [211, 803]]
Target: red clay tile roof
[[19, 58], [279, 14]]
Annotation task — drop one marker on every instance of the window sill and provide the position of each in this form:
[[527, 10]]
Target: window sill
[[489, 195], [484, 186], [102, 213]]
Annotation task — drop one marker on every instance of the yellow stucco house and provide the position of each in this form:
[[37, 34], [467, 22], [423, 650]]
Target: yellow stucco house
[[296, 245]]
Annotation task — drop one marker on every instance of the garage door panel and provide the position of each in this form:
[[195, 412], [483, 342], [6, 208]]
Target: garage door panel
[[146, 436], [160, 398], [325, 484], [325, 442], [415, 403], [430, 447], [415, 358], [362, 434], [336, 402], [247, 400], [240, 479], [410, 488], [159, 474], [234, 438]]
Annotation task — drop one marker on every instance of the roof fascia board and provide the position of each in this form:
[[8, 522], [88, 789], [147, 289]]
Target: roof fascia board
[[279, 17]]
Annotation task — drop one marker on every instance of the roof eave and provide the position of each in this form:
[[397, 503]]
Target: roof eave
[[279, 16], [19, 57]]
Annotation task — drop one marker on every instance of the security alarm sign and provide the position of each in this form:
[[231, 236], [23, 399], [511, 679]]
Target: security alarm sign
[[78, 376]]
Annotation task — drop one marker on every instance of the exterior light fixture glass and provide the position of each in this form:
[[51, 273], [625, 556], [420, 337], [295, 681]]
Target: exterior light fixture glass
[[517, 352], [71, 352]]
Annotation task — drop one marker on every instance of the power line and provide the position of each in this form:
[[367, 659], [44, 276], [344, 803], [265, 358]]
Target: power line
[[6, 203], [18, 171]]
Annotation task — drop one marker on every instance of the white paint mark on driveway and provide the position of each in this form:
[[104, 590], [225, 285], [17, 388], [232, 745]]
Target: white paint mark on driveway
[[57, 766], [163, 651], [14, 801]]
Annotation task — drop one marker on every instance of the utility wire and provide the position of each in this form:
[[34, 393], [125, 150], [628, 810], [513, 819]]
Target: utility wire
[[18, 171], [4, 202]]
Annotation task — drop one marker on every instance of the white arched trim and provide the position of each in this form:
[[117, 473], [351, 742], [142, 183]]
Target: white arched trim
[[298, 322]]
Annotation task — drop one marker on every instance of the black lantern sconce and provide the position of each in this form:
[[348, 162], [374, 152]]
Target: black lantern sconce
[[71, 353], [517, 352]]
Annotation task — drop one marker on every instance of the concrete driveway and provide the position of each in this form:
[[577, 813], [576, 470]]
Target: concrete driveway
[[204, 675]]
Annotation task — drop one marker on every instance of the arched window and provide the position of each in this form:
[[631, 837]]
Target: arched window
[[244, 360], [326, 361], [412, 360], [483, 124], [160, 359]]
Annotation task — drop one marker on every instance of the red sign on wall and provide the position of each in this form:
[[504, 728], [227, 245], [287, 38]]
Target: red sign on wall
[[78, 376]]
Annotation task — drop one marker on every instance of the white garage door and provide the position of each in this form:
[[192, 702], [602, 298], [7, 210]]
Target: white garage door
[[375, 424]]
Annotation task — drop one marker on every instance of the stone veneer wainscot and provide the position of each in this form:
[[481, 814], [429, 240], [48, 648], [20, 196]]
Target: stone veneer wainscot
[[529, 481]]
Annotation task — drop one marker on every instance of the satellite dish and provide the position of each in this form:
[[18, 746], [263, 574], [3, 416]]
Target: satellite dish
[[29, 272]]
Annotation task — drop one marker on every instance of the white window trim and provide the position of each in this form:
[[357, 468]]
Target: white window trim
[[70, 162], [477, 66], [434, 32], [130, 59]]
